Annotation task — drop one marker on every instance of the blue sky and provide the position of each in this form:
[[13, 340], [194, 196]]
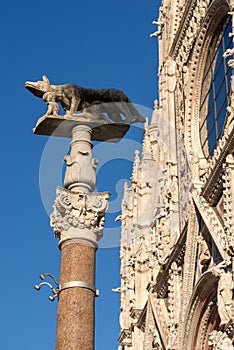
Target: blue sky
[[95, 44]]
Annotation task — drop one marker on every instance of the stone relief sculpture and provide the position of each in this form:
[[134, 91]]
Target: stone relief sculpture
[[159, 31], [75, 98], [224, 292], [50, 100], [83, 211], [204, 253]]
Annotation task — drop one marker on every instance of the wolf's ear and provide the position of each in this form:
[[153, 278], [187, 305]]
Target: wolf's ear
[[46, 81]]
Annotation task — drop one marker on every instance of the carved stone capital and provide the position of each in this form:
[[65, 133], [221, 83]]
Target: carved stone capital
[[79, 216]]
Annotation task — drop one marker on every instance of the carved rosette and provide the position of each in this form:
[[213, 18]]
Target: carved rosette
[[79, 215]]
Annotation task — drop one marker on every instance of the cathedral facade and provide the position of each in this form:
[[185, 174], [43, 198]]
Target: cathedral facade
[[177, 242]]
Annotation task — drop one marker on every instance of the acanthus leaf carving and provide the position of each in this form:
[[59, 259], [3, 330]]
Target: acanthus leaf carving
[[77, 210]]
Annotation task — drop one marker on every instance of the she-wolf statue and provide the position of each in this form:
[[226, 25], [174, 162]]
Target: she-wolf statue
[[73, 98]]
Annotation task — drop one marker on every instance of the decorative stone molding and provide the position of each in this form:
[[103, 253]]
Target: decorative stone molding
[[125, 338], [214, 181], [161, 285], [161, 317], [228, 192], [189, 26], [213, 224], [150, 335], [135, 313], [189, 271], [201, 314], [216, 11], [79, 216], [174, 303]]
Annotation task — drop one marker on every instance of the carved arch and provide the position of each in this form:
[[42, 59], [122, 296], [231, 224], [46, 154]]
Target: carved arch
[[202, 316], [215, 13]]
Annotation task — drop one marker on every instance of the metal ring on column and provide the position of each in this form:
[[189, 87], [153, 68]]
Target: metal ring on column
[[79, 284]]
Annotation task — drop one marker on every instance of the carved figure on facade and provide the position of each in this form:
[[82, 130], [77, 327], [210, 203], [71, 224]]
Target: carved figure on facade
[[180, 107], [75, 98], [122, 319], [153, 268], [160, 28], [163, 241], [131, 290], [199, 166], [224, 292], [128, 286], [204, 253]]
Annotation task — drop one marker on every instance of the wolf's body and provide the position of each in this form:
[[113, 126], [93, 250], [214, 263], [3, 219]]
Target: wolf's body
[[75, 98]]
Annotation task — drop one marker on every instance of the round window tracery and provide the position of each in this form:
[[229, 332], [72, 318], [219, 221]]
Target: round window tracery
[[215, 92]]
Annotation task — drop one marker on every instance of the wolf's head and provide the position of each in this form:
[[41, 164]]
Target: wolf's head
[[39, 87]]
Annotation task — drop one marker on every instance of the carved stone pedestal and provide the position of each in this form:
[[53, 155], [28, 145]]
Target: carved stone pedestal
[[77, 220]]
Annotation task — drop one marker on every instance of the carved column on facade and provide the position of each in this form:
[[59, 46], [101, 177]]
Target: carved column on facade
[[78, 221]]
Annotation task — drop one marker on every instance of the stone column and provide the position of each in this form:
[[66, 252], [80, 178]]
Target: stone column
[[75, 317], [81, 167], [78, 221]]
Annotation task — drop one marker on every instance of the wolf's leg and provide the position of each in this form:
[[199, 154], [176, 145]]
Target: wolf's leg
[[74, 104]]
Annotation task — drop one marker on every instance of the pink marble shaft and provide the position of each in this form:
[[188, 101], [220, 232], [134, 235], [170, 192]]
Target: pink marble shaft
[[75, 318]]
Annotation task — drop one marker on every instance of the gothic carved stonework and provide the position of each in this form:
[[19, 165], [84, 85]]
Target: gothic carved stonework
[[177, 219], [213, 179], [79, 215], [213, 223], [224, 292], [220, 341], [228, 184], [174, 302], [188, 29], [196, 68]]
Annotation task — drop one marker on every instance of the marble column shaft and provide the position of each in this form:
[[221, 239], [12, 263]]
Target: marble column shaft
[[75, 318]]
